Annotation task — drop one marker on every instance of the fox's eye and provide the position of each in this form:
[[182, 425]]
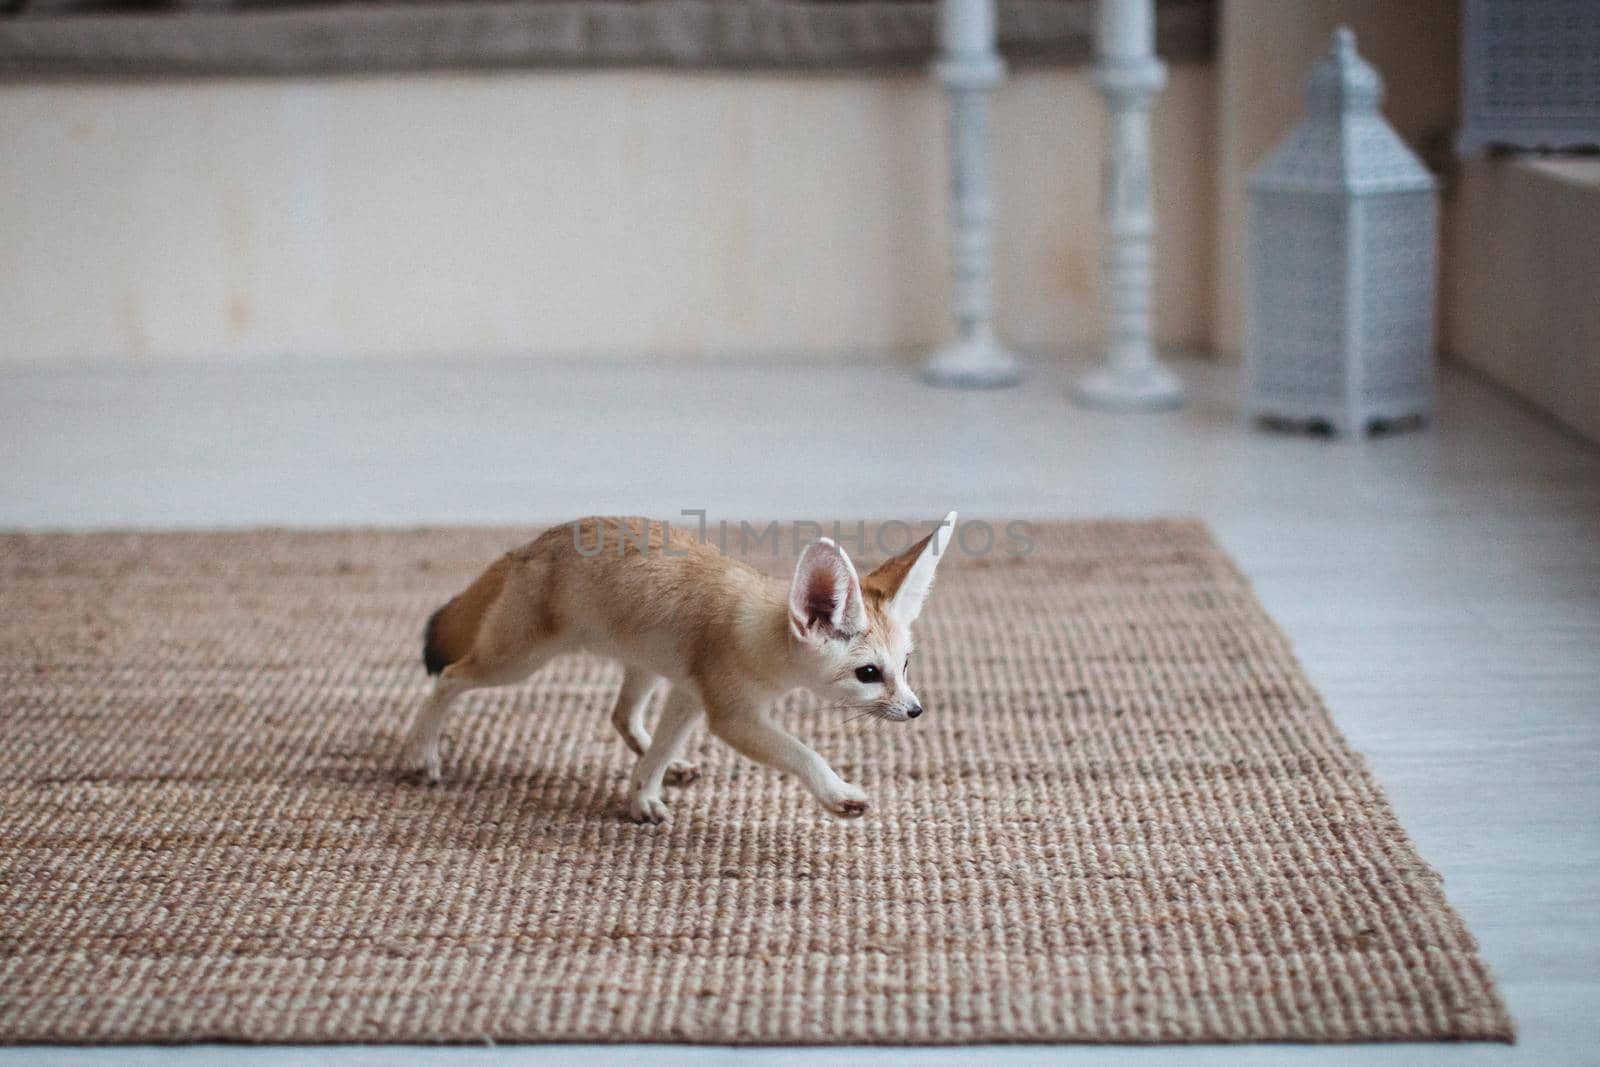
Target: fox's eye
[[869, 675]]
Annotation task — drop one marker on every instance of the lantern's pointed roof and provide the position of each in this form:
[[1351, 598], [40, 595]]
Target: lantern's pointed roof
[[1343, 143]]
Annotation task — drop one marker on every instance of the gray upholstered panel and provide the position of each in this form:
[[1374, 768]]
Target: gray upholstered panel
[[115, 37]]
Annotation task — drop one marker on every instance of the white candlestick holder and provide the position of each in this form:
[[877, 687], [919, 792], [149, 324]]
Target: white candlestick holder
[[969, 70], [1130, 377]]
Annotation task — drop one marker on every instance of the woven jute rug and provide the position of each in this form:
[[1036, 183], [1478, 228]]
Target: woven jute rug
[[1126, 816]]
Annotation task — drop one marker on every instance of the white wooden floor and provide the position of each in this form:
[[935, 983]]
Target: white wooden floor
[[1442, 587]]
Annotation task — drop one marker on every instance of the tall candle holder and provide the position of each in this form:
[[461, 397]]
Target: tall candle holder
[[969, 68], [1130, 376]]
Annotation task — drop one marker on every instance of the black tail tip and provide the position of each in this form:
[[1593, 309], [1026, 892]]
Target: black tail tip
[[432, 659]]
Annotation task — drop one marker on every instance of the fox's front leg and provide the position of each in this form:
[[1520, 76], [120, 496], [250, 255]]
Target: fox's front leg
[[677, 720], [757, 736]]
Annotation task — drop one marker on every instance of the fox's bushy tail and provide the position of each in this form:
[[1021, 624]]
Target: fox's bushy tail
[[452, 630]]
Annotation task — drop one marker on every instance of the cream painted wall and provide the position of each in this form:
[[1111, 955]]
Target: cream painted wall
[[606, 213], [1523, 300], [1267, 49]]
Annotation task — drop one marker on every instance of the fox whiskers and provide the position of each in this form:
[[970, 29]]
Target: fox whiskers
[[868, 710], [861, 708]]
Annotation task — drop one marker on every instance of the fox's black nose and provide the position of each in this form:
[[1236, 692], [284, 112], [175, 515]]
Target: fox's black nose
[[913, 711]]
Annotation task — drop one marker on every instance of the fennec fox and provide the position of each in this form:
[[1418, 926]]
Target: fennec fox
[[729, 641]]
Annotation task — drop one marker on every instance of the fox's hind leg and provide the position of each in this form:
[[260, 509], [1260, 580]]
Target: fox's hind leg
[[422, 745], [496, 633]]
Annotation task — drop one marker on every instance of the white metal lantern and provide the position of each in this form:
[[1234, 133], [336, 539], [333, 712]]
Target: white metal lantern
[[1343, 219]]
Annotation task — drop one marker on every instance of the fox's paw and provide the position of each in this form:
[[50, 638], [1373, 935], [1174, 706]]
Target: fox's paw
[[422, 763], [648, 808], [681, 773], [847, 803]]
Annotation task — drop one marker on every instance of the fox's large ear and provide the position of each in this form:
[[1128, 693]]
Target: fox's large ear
[[825, 599], [903, 582]]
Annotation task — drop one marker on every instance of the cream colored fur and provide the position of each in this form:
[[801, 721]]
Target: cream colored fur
[[728, 640]]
